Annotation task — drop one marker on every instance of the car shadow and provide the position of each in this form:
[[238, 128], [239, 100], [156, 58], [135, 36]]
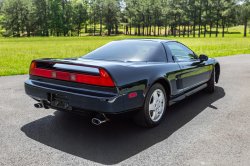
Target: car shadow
[[115, 141]]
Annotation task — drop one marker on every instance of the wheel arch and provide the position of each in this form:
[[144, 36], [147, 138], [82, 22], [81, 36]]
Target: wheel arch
[[164, 82]]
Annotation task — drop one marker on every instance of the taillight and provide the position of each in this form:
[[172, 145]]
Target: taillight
[[103, 80], [103, 73], [32, 67]]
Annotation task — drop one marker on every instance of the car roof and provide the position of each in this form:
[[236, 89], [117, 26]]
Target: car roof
[[152, 40]]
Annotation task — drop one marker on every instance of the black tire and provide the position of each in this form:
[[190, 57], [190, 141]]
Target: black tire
[[211, 83], [143, 117]]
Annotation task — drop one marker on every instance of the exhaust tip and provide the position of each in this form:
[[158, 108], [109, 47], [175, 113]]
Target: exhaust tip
[[38, 105], [96, 121]]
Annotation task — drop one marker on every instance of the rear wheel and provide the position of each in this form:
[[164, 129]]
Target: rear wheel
[[154, 107], [211, 83]]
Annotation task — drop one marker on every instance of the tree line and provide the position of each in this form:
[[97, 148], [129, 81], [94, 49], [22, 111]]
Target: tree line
[[138, 17]]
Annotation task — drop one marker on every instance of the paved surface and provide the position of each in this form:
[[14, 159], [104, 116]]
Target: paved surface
[[205, 129]]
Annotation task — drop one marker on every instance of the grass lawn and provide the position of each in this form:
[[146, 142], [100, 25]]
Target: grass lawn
[[17, 53]]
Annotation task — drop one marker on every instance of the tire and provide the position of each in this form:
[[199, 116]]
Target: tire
[[154, 107], [211, 83]]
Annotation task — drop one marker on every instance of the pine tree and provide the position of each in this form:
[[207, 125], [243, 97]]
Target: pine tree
[[1, 4], [80, 15], [15, 16], [50, 17], [245, 15], [111, 14]]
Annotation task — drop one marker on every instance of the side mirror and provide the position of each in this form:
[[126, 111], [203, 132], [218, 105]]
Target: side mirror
[[203, 58]]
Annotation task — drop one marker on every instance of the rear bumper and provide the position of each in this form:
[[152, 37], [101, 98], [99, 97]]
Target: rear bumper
[[78, 98]]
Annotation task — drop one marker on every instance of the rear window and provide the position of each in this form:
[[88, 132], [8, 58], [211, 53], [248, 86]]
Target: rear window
[[147, 51]]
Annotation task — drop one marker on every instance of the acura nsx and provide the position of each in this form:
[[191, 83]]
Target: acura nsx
[[139, 77]]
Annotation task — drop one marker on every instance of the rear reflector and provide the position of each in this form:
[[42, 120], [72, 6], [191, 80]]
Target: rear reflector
[[72, 77], [131, 95], [53, 74], [103, 80]]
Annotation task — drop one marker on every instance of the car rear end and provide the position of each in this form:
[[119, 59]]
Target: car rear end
[[66, 86]]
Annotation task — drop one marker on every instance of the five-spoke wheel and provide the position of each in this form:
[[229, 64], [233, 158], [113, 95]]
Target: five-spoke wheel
[[154, 107]]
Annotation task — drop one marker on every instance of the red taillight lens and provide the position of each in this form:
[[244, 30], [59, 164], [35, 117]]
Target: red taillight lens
[[103, 80], [32, 67], [103, 73]]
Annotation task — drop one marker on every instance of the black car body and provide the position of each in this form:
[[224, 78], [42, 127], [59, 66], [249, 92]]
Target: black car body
[[65, 84]]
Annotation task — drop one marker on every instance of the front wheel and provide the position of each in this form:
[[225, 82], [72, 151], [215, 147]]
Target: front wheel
[[211, 83], [154, 107]]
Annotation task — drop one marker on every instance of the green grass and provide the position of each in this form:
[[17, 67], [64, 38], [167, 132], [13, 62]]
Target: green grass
[[17, 53]]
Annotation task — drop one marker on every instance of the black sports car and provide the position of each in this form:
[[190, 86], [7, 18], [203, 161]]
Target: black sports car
[[137, 76]]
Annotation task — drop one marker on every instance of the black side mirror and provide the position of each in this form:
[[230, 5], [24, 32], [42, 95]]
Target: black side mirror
[[203, 58]]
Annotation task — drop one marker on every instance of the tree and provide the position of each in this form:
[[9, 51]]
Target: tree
[[1, 5], [228, 14], [220, 6], [200, 15], [57, 17], [80, 15], [41, 13], [193, 8], [245, 15], [111, 14], [15, 15], [165, 14], [211, 14], [67, 16], [100, 4]]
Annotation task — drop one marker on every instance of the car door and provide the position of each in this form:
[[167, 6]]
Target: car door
[[194, 72]]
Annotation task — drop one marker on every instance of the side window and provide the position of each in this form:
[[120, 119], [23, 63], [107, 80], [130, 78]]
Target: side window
[[181, 52]]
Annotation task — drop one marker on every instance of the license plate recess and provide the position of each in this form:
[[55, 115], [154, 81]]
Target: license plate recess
[[60, 101]]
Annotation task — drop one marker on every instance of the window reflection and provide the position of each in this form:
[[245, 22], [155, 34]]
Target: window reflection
[[181, 52], [130, 50]]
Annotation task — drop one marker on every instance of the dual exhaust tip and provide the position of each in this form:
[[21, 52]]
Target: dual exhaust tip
[[95, 121], [40, 105]]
